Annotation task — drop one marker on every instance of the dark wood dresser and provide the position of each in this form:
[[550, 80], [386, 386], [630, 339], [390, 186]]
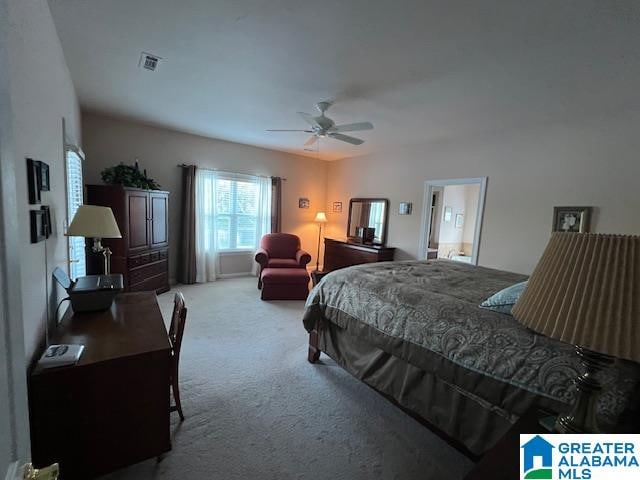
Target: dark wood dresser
[[111, 409], [142, 254], [340, 254]]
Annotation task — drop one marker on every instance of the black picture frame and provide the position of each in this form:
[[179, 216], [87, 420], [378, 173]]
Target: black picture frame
[[303, 202], [572, 219], [46, 221], [43, 177], [36, 218], [33, 180]]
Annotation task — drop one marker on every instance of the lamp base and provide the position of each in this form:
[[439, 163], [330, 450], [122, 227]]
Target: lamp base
[[582, 417], [106, 252]]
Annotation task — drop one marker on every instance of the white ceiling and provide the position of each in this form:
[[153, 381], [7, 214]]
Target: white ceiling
[[420, 70]]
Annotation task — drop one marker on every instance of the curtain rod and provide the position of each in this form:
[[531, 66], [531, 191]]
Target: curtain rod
[[184, 165]]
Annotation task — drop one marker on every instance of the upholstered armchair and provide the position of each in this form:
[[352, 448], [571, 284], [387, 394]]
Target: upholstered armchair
[[280, 250]]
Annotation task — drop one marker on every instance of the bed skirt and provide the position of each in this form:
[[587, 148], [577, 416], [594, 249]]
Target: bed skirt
[[465, 418]]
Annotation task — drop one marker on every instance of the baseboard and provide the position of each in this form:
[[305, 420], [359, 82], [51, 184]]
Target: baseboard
[[235, 275]]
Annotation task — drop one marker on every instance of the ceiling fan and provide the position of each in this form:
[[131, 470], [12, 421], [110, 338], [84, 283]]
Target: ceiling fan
[[323, 127]]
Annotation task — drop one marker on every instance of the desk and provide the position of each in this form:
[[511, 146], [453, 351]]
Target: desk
[[112, 408]]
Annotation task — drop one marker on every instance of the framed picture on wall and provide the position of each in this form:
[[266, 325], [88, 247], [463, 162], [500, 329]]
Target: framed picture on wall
[[303, 203], [37, 220], [572, 219], [43, 177], [33, 180], [337, 207], [459, 220], [447, 214]]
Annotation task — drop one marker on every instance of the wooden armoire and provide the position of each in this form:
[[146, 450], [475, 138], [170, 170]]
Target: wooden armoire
[[142, 254]]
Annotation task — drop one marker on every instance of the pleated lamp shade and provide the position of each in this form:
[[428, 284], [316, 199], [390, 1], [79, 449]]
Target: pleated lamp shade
[[586, 291]]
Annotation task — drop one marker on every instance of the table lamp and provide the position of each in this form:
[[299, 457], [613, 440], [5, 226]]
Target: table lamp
[[320, 219], [585, 291], [98, 223]]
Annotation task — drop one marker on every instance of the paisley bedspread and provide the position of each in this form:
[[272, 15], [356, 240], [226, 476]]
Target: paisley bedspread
[[427, 313]]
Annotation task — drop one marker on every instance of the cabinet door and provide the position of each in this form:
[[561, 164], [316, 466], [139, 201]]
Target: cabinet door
[[138, 221], [159, 230]]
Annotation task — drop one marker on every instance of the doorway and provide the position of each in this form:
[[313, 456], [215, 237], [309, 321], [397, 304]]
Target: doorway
[[452, 219]]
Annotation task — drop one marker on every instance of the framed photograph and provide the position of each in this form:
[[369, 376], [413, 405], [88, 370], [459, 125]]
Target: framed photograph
[[303, 202], [43, 177], [37, 225], [337, 207], [46, 221], [405, 208], [459, 220], [447, 214], [572, 219], [33, 180]]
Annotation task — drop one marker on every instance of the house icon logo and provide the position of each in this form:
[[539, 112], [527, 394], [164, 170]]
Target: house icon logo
[[537, 459]]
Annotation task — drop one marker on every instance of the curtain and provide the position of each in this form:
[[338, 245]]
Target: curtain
[[265, 218], [187, 272], [276, 204], [206, 251]]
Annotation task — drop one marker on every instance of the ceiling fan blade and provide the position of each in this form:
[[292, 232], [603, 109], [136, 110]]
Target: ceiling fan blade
[[353, 127], [346, 138], [311, 141], [310, 119], [285, 130]]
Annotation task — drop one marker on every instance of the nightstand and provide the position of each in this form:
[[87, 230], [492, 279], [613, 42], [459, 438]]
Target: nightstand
[[316, 276]]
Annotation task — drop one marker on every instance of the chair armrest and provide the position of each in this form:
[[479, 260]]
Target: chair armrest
[[302, 258], [262, 257]]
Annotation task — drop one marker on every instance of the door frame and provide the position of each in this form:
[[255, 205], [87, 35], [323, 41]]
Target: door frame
[[426, 209], [14, 418]]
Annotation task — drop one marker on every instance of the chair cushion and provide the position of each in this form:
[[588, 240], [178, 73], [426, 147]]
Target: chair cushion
[[280, 245], [282, 263], [271, 276]]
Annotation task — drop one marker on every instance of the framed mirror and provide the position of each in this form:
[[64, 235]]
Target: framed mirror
[[368, 219]]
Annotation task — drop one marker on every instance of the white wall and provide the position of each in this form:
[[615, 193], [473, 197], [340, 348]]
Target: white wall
[[42, 95], [36, 93], [587, 160], [454, 198], [472, 196], [109, 141]]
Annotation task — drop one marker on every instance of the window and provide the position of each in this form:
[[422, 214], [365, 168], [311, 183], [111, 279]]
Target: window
[[75, 198], [236, 213]]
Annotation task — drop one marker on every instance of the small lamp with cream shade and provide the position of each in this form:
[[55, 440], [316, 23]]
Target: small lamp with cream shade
[[95, 222], [320, 219], [585, 291]]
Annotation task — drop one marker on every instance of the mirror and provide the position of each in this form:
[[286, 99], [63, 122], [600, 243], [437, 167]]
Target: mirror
[[368, 220]]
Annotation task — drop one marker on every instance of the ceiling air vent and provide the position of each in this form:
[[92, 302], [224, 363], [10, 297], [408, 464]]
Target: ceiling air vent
[[149, 61]]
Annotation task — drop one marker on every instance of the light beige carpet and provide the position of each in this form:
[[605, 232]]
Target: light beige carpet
[[256, 409]]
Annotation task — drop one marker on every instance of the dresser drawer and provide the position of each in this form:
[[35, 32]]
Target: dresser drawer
[[150, 257], [141, 274]]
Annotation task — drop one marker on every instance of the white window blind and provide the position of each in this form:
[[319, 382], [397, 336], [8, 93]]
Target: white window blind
[[236, 212], [75, 198]]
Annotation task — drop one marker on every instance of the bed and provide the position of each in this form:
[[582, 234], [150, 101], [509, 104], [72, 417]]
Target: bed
[[414, 331]]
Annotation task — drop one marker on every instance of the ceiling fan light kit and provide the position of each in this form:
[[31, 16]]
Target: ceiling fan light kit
[[323, 127]]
